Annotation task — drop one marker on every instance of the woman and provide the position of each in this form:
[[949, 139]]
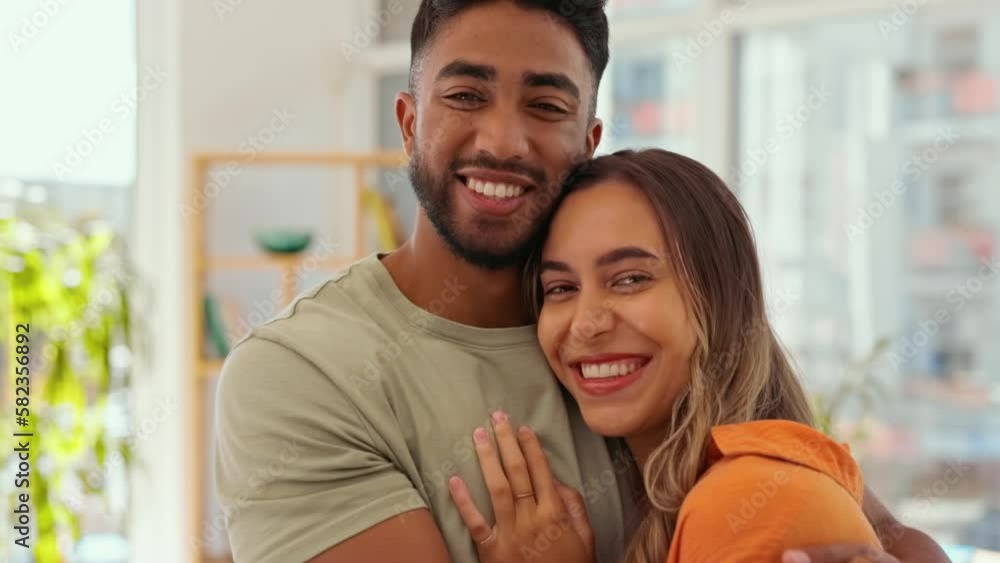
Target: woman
[[651, 313]]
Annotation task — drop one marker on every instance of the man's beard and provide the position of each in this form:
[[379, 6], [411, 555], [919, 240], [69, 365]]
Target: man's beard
[[488, 243]]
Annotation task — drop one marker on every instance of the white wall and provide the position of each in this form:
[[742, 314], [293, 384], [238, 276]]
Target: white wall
[[160, 515], [230, 72], [240, 65]]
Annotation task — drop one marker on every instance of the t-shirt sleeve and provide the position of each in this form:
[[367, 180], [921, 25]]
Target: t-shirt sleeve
[[297, 466], [753, 508]]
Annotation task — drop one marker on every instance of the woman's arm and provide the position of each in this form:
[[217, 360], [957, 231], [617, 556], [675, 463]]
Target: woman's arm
[[900, 543]]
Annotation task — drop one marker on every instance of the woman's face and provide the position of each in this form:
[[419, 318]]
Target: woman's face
[[613, 323]]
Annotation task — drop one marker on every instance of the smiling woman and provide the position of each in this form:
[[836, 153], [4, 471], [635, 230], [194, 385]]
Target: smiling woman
[[651, 313]]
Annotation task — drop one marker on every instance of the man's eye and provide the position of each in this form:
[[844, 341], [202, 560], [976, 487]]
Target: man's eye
[[465, 97], [551, 108]]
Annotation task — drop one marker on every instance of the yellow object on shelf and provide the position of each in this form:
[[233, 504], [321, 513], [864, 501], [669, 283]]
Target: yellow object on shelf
[[386, 223], [203, 369]]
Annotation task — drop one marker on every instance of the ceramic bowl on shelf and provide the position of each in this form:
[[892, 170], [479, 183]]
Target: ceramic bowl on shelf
[[283, 241]]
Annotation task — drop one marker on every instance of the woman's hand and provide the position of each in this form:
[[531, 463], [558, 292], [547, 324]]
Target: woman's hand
[[537, 519]]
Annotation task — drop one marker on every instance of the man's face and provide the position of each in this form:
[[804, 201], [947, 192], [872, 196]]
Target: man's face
[[502, 112]]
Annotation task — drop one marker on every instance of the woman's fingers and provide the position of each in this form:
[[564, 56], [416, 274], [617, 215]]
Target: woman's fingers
[[538, 466], [577, 509], [493, 475], [514, 464], [478, 528]]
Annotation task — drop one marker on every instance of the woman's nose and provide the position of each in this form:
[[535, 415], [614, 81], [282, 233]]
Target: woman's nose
[[593, 317]]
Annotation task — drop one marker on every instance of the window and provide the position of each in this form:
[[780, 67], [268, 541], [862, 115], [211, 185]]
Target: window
[[636, 9], [652, 99], [69, 100], [879, 207]]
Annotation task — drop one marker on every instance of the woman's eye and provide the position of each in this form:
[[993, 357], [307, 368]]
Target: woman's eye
[[632, 279], [558, 290]]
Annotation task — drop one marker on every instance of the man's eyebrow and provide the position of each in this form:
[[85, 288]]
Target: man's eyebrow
[[552, 80], [469, 69]]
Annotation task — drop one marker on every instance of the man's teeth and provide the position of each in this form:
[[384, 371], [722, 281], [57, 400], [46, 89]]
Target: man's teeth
[[493, 189], [597, 371]]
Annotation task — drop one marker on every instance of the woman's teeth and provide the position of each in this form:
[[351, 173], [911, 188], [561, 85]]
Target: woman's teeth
[[597, 371], [493, 189]]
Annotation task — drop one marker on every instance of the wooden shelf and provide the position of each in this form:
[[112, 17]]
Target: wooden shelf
[[204, 369], [210, 368], [387, 159], [272, 261]]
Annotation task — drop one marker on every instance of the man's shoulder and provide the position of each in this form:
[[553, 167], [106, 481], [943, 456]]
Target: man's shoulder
[[347, 305], [334, 326]]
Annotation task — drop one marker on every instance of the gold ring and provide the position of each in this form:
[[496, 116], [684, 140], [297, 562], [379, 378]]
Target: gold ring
[[489, 538], [523, 495]]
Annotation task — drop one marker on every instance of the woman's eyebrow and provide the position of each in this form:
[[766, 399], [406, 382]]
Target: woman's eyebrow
[[624, 253], [606, 259], [553, 265]]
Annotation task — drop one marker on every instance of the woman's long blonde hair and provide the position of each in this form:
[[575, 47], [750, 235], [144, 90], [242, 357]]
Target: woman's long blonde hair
[[739, 370]]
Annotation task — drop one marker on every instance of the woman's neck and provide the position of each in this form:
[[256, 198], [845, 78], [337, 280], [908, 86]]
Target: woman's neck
[[642, 445]]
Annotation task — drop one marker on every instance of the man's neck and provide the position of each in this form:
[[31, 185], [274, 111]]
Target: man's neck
[[431, 276]]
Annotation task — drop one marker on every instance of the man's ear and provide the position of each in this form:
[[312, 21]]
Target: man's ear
[[594, 136], [406, 117]]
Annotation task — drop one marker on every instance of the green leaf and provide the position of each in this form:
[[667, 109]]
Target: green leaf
[[100, 450], [73, 329]]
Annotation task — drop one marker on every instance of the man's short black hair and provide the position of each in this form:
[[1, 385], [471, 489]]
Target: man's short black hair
[[585, 17]]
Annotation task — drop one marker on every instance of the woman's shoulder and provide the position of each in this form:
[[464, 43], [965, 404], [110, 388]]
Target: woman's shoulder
[[783, 443], [771, 485]]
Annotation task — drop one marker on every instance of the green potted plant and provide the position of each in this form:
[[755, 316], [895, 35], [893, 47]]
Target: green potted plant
[[859, 385], [67, 342]]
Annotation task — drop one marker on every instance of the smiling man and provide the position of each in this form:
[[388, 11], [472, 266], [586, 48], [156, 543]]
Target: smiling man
[[380, 375]]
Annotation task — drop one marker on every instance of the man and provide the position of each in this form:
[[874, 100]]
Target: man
[[340, 422]]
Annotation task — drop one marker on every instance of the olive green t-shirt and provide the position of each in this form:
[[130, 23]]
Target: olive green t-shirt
[[354, 406]]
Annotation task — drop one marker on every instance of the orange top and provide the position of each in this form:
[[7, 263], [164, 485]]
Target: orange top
[[771, 485]]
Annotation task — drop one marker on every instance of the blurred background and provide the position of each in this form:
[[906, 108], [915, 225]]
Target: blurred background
[[173, 173]]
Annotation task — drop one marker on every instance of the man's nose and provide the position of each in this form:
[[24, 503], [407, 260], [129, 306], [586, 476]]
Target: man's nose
[[502, 134]]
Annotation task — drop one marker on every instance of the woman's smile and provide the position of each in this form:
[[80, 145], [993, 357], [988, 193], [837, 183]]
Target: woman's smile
[[604, 374], [613, 320]]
